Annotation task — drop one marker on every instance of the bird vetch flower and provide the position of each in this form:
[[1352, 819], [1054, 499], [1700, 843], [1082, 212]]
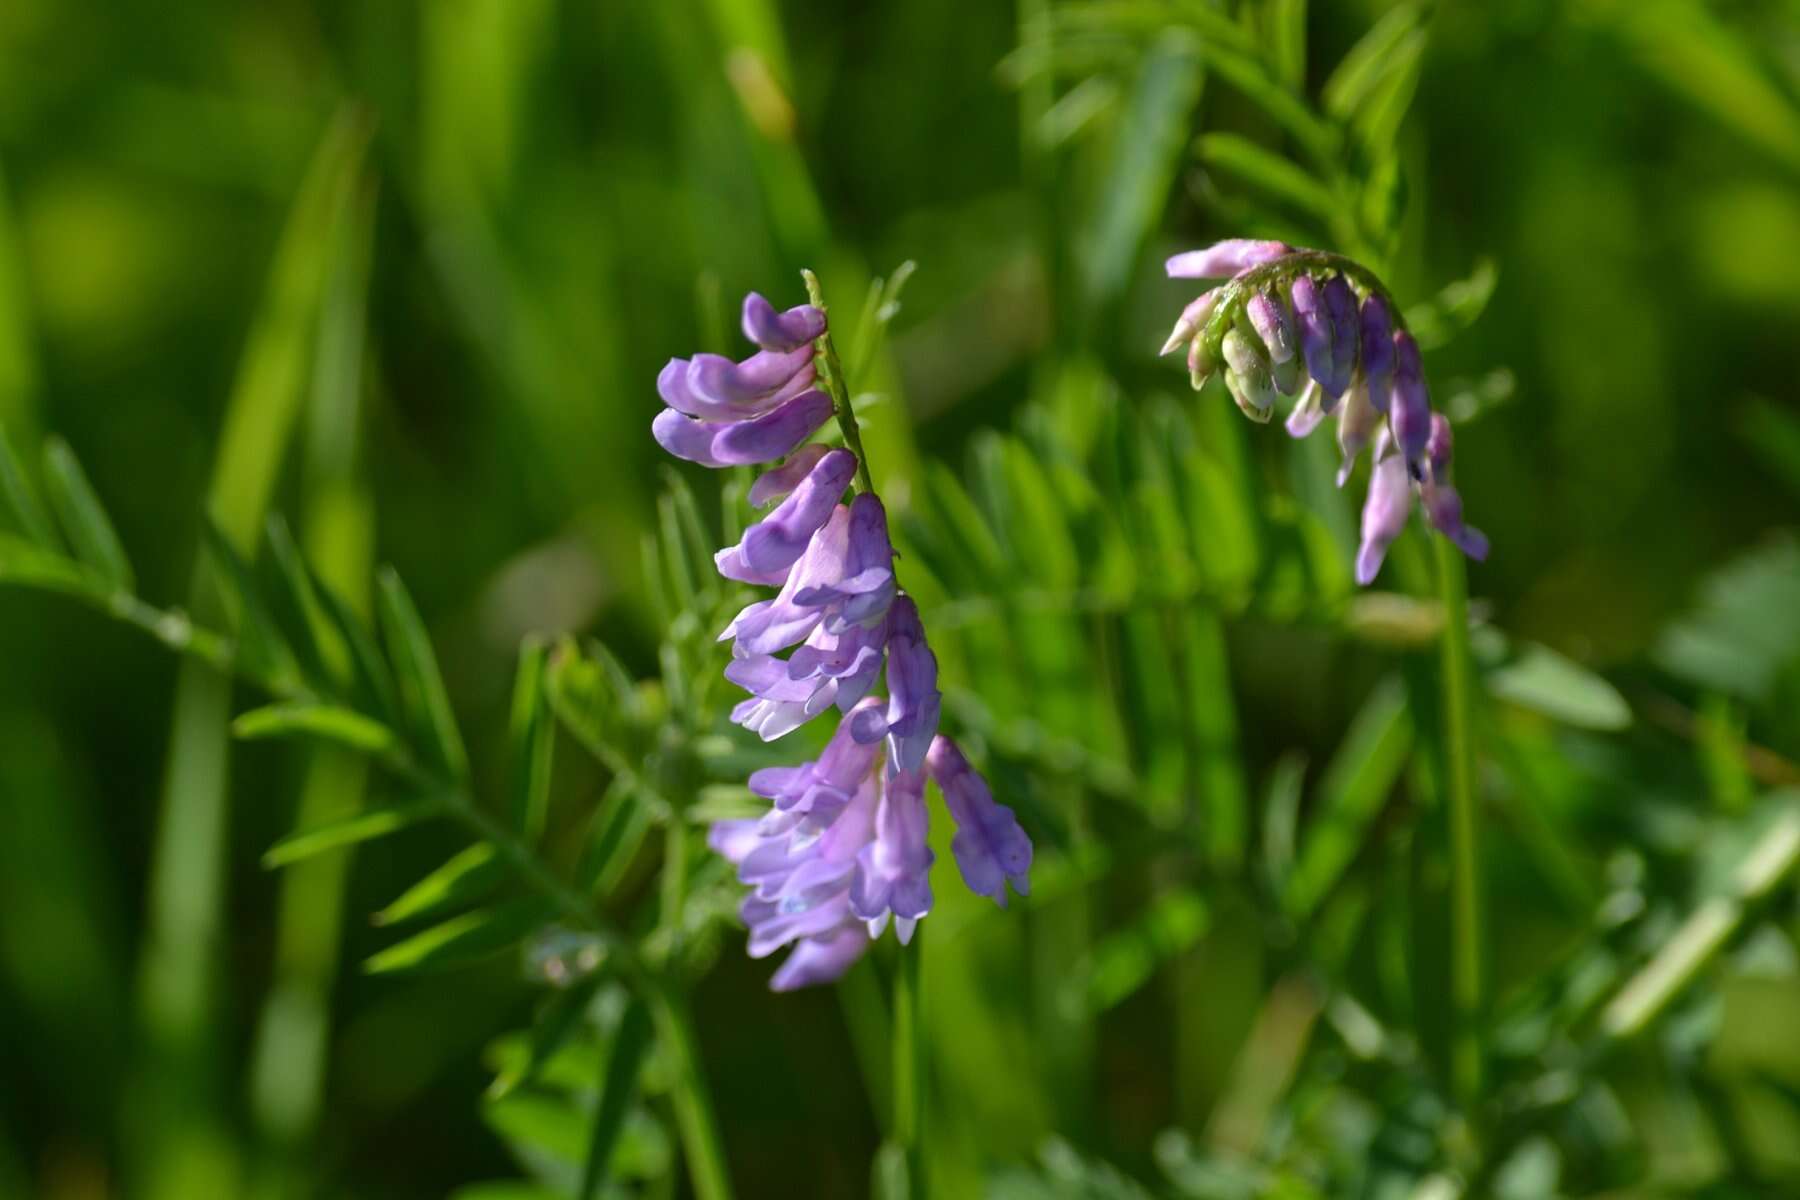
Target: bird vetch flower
[[843, 847]]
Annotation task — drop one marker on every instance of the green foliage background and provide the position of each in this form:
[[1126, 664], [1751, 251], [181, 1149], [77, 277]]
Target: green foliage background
[[405, 274]]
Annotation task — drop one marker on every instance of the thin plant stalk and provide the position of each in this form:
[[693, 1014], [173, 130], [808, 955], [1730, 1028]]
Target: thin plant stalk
[[909, 1067], [1465, 862], [694, 1117]]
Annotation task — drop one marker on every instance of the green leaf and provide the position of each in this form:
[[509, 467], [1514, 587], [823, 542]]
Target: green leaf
[[624, 1057], [1285, 21], [1743, 634], [1367, 62], [20, 499], [1356, 784], [618, 830], [531, 739], [557, 1021], [349, 831], [421, 686], [1275, 176], [84, 522], [370, 670], [1544, 681], [260, 646], [1377, 122], [1455, 308], [294, 606], [463, 939], [327, 722], [31, 565], [1124, 961], [595, 699], [1286, 108], [1145, 155], [467, 877]]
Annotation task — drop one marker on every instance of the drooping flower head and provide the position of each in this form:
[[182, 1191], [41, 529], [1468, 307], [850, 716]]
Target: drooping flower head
[[1303, 323], [843, 847]]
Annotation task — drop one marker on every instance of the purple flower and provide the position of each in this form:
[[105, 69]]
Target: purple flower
[[775, 543], [743, 443], [761, 380], [821, 959], [1307, 413], [864, 588], [830, 668], [1222, 259], [1346, 332], [1383, 516], [1409, 409], [913, 698], [1443, 512], [893, 871], [780, 330], [1377, 341], [1356, 353], [1357, 423], [820, 788], [1315, 333], [777, 482], [991, 850]]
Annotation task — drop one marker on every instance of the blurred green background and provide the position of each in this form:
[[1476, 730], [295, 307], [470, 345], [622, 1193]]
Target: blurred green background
[[405, 272]]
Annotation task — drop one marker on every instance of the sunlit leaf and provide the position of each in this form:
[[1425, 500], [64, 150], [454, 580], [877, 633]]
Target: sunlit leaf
[[325, 722], [531, 738], [466, 878], [349, 831], [1274, 176], [1544, 681]]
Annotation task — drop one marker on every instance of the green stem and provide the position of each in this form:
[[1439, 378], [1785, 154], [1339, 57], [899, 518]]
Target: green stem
[[693, 1102], [1465, 865], [909, 1067], [833, 371]]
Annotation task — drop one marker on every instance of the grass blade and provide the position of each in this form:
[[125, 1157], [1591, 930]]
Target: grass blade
[[618, 1082], [532, 738], [335, 835], [326, 722], [465, 878], [463, 939]]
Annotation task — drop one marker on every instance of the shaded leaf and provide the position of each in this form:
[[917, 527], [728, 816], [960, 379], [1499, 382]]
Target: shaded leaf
[[415, 666], [21, 500], [531, 739], [84, 522], [462, 939], [1270, 173], [625, 1055], [1544, 681]]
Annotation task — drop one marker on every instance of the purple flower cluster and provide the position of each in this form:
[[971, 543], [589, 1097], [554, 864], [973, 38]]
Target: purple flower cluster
[[1294, 322], [843, 846]]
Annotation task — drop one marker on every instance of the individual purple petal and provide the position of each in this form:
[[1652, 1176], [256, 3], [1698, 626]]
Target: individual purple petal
[[673, 385], [1222, 259], [824, 786], [1307, 413], [991, 849], [1273, 324], [771, 625], [1191, 319], [1346, 329], [743, 443], [1357, 423], [821, 959], [1376, 338], [780, 331], [893, 871], [775, 543], [1438, 448], [1410, 406], [913, 697], [777, 482], [1383, 516], [733, 840], [1443, 511], [863, 590], [1315, 332], [849, 658], [717, 380]]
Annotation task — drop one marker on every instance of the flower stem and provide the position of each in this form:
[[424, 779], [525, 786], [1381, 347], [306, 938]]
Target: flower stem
[[1465, 866], [693, 1103], [909, 1068], [833, 372]]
